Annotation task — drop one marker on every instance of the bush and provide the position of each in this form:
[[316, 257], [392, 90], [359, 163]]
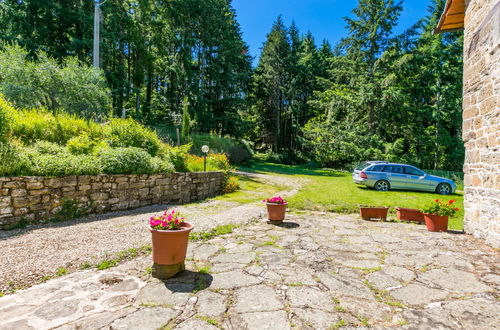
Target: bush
[[85, 145], [12, 160], [6, 111], [237, 151], [126, 161], [49, 148], [163, 166], [129, 133], [39, 124], [44, 159], [178, 156], [63, 164]]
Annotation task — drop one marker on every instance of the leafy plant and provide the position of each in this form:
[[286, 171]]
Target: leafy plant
[[129, 133], [125, 161], [441, 208], [6, 111]]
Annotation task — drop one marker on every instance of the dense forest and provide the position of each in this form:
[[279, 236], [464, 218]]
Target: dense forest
[[184, 63]]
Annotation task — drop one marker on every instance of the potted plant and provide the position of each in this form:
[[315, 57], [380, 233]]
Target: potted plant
[[276, 208], [436, 214], [170, 235], [406, 214], [373, 212]]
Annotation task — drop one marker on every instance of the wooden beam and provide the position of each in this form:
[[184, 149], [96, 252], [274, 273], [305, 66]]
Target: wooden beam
[[453, 17]]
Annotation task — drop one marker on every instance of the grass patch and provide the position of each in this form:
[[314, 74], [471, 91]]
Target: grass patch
[[334, 191], [251, 189], [217, 231], [209, 320]]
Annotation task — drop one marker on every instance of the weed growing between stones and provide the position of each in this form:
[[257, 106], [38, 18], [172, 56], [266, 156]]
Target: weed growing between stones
[[340, 323], [210, 321], [70, 210], [23, 223], [383, 296], [217, 231]]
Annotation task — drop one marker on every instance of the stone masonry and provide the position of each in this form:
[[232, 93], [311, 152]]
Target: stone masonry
[[481, 132], [37, 199]]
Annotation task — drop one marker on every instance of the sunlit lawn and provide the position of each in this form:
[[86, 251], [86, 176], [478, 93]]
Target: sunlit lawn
[[251, 190], [334, 191]]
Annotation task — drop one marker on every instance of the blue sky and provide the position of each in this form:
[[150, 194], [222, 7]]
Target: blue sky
[[322, 17]]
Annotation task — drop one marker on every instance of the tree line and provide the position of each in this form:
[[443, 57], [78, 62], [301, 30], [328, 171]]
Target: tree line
[[374, 95]]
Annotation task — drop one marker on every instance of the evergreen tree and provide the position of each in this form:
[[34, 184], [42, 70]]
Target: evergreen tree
[[186, 121]]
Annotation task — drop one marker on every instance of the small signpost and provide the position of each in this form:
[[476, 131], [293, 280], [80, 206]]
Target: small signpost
[[205, 150]]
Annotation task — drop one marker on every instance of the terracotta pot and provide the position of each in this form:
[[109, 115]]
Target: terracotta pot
[[276, 212], [409, 214], [436, 222], [368, 213], [170, 246]]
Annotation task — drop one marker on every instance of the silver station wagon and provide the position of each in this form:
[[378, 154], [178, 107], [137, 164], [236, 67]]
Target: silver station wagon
[[383, 176]]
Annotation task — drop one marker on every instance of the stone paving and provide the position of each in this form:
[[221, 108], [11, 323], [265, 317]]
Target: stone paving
[[315, 271]]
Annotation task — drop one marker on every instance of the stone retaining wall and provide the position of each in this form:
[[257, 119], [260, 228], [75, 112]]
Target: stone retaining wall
[[36, 199], [481, 126]]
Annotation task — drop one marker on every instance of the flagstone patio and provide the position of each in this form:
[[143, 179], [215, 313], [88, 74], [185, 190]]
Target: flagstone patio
[[315, 271]]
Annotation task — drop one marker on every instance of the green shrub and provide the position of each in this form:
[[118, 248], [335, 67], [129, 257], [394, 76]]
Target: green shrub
[[38, 124], [62, 164], [129, 160], [6, 111], [45, 147], [12, 161], [129, 133], [163, 166], [177, 155], [85, 145], [237, 151]]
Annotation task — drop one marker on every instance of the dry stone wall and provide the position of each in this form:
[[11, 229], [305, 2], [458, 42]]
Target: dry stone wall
[[481, 130], [37, 199]]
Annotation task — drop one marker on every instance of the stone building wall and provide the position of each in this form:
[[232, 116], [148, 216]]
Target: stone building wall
[[481, 130], [37, 199]]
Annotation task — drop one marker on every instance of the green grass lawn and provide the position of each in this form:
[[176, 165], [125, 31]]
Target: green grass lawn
[[334, 191], [251, 190]]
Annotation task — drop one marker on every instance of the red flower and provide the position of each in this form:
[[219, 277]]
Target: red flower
[[451, 201], [457, 209], [436, 200]]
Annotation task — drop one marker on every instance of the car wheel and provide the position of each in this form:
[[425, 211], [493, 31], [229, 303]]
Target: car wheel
[[382, 185], [443, 189]]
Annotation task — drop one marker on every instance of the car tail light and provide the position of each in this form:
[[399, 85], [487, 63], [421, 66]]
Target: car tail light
[[363, 175]]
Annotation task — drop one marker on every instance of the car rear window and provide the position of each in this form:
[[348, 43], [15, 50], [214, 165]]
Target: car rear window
[[362, 166]]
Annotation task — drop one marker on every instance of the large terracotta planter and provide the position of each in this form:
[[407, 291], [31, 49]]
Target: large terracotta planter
[[405, 214], [368, 213], [276, 212], [436, 222], [170, 246]]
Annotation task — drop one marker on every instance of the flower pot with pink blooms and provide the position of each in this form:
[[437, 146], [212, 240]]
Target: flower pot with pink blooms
[[170, 237], [436, 214], [276, 208]]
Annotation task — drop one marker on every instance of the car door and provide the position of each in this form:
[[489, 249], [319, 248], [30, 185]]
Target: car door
[[415, 178], [395, 176]]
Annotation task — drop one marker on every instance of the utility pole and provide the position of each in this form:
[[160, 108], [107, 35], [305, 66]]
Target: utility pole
[[97, 24]]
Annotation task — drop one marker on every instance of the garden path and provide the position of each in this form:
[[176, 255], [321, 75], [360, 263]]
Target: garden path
[[315, 271], [33, 254]]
